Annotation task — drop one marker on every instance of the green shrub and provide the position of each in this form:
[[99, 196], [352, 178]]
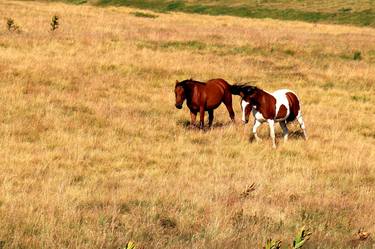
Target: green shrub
[[11, 26], [142, 14], [301, 238], [273, 244], [298, 241], [54, 23], [130, 245], [357, 56]]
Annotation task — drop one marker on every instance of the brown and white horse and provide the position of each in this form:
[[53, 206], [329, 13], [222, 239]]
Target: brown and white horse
[[281, 106]]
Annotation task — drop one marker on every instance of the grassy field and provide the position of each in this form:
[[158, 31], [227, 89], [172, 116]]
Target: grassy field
[[354, 12], [94, 154]]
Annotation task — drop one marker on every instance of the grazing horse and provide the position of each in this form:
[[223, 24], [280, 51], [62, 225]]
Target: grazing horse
[[281, 106], [201, 97]]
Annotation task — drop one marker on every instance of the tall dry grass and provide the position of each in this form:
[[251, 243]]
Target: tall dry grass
[[94, 154]]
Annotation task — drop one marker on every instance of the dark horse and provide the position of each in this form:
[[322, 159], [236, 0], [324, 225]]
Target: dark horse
[[201, 97]]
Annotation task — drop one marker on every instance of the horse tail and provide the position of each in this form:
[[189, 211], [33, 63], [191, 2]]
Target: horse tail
[[236, 89]]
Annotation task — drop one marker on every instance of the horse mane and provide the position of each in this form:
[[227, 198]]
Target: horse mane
[[244, 88]]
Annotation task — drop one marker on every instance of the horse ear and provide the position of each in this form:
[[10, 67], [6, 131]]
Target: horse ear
[[177, 82]]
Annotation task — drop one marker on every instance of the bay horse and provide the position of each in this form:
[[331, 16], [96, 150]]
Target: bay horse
[[281, 106], [201, 97]]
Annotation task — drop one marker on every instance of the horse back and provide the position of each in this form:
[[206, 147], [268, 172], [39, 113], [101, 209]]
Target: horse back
[[215, 91]]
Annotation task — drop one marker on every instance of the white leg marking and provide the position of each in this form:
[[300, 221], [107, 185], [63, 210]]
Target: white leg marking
[[257, 123], [271, 123], [302, 124], [285, 130]]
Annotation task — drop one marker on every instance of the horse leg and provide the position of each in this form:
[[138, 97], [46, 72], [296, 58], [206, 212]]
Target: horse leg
[[201, 116], [210, 117], [228, 105], [302, 124], [285, 130], [257, 123], [193, 117], [271, 123]]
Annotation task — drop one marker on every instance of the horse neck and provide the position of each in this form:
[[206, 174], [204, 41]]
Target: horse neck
[[190, 88], [261, 97]]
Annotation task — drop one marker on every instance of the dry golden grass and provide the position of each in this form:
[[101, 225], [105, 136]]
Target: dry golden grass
[[93, 152]]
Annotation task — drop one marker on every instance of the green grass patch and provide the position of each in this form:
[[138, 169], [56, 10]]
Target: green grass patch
[[356, 55], [77, 1], [343, 15], [360, 98], [143, 14], [201, 47], [328, 86]]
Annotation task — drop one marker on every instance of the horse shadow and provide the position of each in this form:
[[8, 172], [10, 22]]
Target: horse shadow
[[293, 135], [186, 124], [298, 134]]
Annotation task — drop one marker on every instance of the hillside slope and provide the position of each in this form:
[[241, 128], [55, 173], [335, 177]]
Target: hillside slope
[[93, 152], [359, 12]]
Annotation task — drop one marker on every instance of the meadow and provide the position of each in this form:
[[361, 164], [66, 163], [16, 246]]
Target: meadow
[[94, 154], [357, 12]]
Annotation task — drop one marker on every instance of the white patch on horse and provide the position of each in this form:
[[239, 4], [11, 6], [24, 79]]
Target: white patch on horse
[[258, 115], [281, 99]]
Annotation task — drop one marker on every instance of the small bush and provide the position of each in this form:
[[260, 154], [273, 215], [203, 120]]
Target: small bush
[[298, 242], [54, 23], [273, 244], [301, 238], [345, 10], [130, 245], [167, 223], [357, 56], [289, 52], [11, 26], [360, 98]]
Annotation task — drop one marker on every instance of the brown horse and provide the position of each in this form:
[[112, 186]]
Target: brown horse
[[201, 97]]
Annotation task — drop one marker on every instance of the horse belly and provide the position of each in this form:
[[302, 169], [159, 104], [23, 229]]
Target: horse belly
[[258, 115], [214, 97]]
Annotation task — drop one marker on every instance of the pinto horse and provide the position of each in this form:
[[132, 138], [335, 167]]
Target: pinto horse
[[281, 106], [201, 97]]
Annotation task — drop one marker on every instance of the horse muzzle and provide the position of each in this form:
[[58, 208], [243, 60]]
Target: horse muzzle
[[179, 106]]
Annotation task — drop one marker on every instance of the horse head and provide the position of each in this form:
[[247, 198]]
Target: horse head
[[179, 94], [247, 93]]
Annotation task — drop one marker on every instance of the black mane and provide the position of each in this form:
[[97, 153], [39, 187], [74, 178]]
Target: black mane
[[244, 88]]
